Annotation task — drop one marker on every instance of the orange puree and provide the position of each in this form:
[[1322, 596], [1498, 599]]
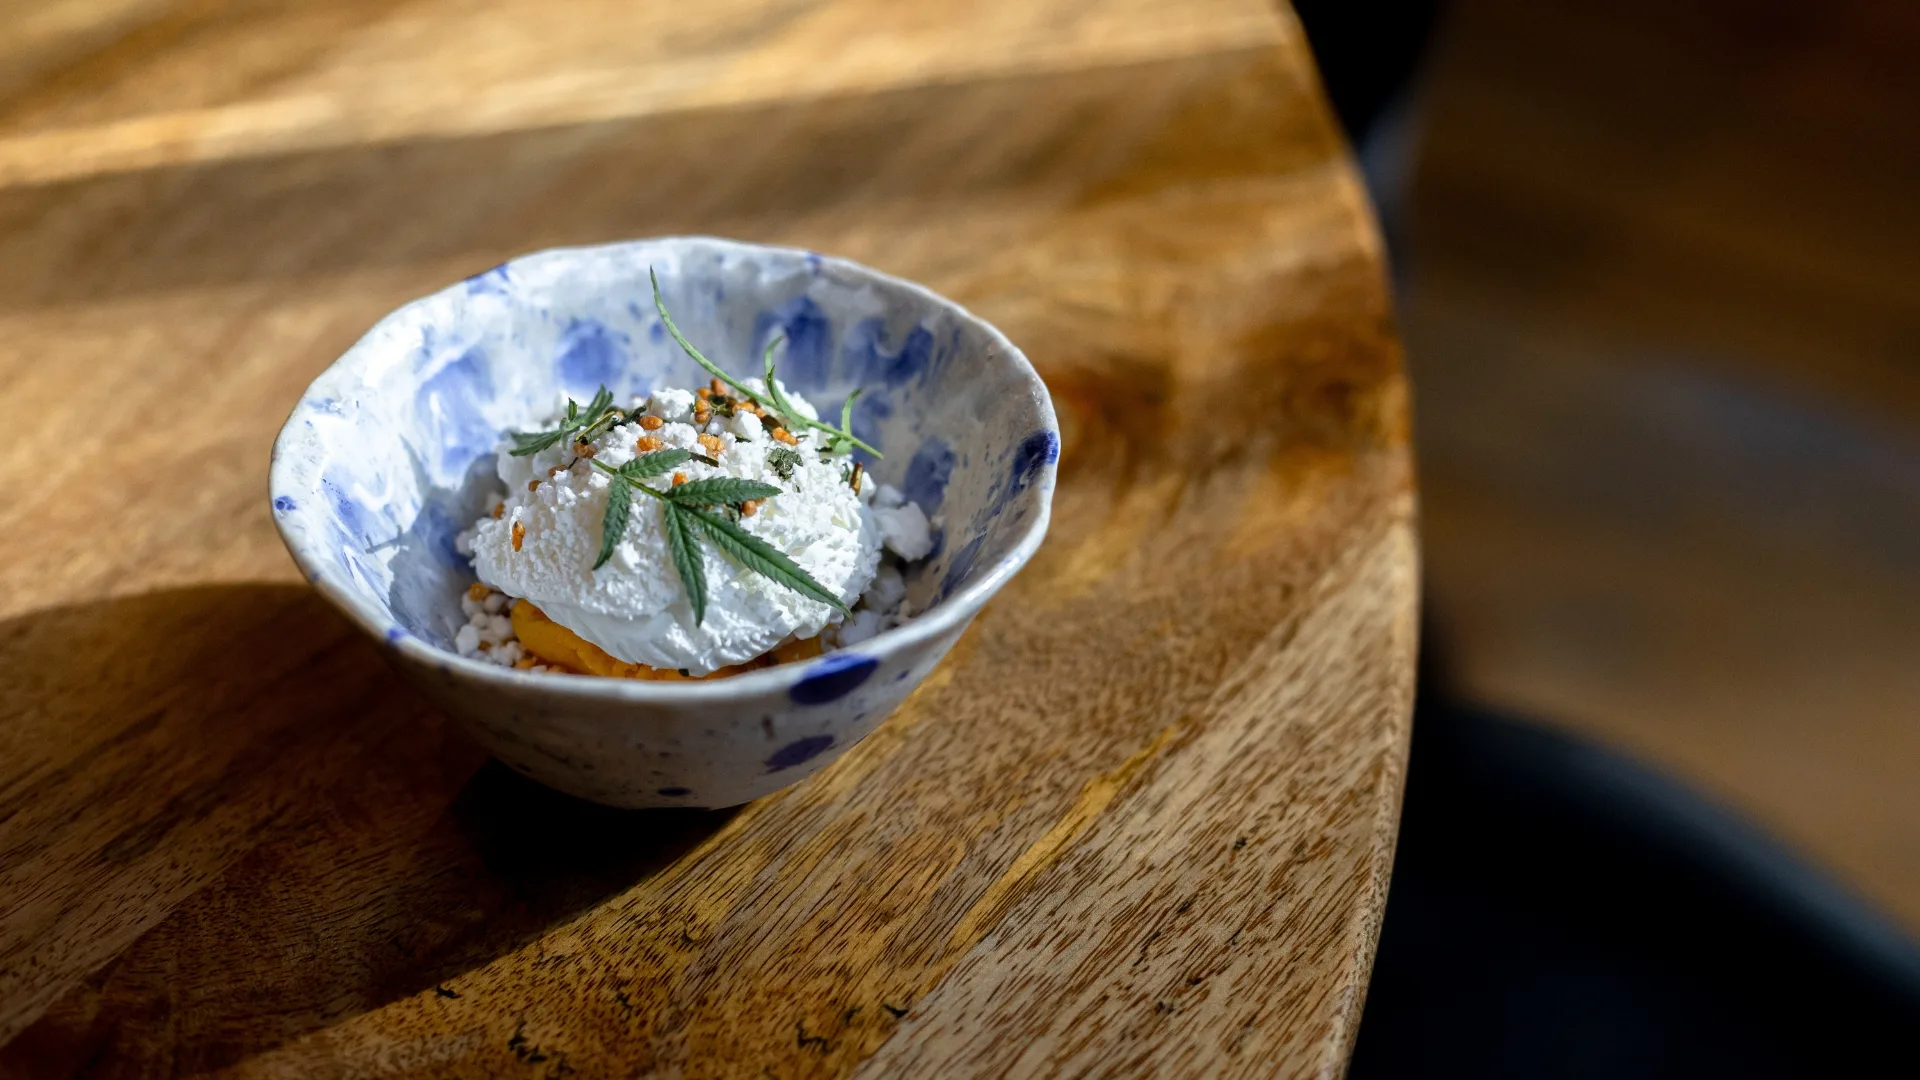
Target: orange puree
[[559, 647]]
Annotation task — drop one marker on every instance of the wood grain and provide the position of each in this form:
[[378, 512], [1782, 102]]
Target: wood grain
[[1139, 821]]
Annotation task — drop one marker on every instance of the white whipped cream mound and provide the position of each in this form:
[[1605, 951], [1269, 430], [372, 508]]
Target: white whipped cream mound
[[634, 607]]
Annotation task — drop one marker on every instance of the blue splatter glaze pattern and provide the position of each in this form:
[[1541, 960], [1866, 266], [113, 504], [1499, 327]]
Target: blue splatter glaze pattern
[[590, 356], [799, 752], [832, 678]]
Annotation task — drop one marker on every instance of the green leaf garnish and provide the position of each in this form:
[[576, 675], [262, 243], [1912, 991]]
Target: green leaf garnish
[[757, 555], [650, 464], [685, 521], [773, 400], [686, 558], [528, 443], [846, 409], [619, 505], [583, 426], [783, 460], [719, 490], [602, 398], [684, 508]]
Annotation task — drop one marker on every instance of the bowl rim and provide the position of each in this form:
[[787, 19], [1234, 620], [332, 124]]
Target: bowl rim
[[956, 610]]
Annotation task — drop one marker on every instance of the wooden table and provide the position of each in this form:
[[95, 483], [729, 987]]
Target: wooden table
[[1139, 823]]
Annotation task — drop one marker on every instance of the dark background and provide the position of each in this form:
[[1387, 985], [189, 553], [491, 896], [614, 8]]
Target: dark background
[[1659, 277]]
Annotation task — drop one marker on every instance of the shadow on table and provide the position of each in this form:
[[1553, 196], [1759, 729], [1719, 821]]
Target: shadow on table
[[225, 823]]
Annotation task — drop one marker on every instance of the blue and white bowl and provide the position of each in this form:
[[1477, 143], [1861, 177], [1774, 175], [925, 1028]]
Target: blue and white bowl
[[391, 453]]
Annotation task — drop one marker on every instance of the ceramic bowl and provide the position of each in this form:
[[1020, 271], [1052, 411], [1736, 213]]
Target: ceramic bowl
[[391, 453]]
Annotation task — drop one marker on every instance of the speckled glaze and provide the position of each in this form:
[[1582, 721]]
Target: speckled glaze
[[391, 452]]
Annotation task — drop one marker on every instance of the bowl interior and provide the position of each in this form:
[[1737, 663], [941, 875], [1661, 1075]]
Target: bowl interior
[[391, 452]]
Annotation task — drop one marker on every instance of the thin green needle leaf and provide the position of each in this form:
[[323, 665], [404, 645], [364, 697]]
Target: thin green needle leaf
[[846, 411], [528, 443], [773, 399], [686, 346], [619, 505], [686, 558], [795, 417], [532, 442], [757, 555], [602, 398], [717, 490]]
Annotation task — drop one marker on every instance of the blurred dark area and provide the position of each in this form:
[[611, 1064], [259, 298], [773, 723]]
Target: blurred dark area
[[1659, 277]]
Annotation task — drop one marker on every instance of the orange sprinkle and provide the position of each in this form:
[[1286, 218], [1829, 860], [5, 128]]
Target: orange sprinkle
[[519, 534], [712, 443], [499, 511], [679, 478], [525, 662], [781, 434], [750, 407], [533, 485], [647, 444], [581, 449], [555, 471], [858, 468], [717, 386], [750, 508], [652, 423], [477, 591]]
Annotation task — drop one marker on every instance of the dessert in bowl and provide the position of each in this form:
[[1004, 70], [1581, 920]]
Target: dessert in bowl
[[672, 522]]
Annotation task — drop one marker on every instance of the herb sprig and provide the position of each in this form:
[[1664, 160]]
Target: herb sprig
[[688, 521], [783, 460], [774, 400], [689, 517], [583, 424]]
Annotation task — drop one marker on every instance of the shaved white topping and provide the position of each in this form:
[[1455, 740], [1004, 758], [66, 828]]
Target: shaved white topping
[[905, 530], [634, 606]]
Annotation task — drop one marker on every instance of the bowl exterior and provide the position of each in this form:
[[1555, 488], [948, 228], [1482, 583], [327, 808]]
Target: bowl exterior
[[391, 452], [683, 753]]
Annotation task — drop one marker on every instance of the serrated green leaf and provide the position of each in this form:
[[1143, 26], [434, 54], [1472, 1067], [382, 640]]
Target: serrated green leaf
[[652, 463], [757, 555], [614, 525], [719, 490], [686, 558]]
